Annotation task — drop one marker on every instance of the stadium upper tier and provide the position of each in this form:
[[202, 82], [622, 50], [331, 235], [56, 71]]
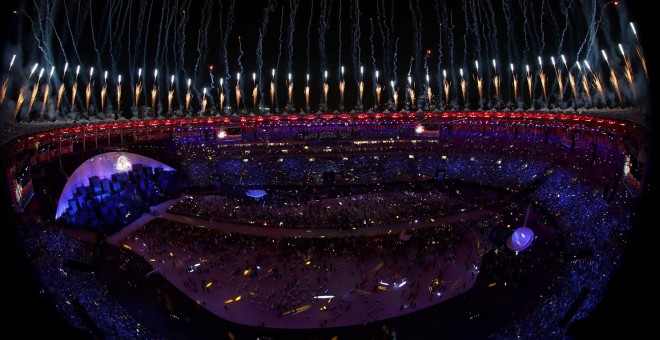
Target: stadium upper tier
[[40, 137]]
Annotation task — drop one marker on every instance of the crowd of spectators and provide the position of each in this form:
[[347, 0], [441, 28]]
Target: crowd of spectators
[[577, 185], [78, 294]]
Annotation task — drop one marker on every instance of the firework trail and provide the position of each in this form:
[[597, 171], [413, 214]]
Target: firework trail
[[356, 13], [342, 86], [222, 94], [530, 83], [255, 91], [613, 79], [371, 44], [360, 91], [60, 92], [467, 31], [479, 81], [379, 89], [525, 27], [535, 29], [436, 9], [340, 42], [543, 79], [326, 87], [643, 60], [170, 26], [180, 46], [117, 32], [138, 89], [474, 27], [154, 94], [373, 61], [262, 32], [598, 84], [88, 91], [203, 101], [429, 92], [514, 83], [292, 28], [394, 58], [615, 84], [410, 84], [448, 23], [628, 73], [3, 92], [640, 52], [118, 95], [463, 87], [91, 28], [74, 89], [506, 10], [417, 34], [493, 29], [35, 89], [138, 36], [68, 25], [19, 102], [128, 16], [446, 86], [309, 34], [273, 88], [395, 95], [323, 24], [585, 83], [489, 29], [104, 90], [146, 34], [240, 67], [592, 29], [188, 98], [46, 91], [163, 18], [225, 42], [560, 79], [382, 27], [571, 81], [307, 93], [564, 11], [496, 84], [240, 55], [543, 4], [40, 43], [170, 95], [202, 37], [237, 91], [289, 92], [59, 40], [571, 78]]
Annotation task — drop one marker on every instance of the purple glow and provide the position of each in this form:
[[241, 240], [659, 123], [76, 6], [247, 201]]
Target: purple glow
[[104, 166], [255, 193], [520, 239]]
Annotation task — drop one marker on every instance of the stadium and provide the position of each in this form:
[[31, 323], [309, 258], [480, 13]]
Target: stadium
[[491, 206]]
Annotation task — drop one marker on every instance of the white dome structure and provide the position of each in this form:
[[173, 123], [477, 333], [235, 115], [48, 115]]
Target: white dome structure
[[103, 166]]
